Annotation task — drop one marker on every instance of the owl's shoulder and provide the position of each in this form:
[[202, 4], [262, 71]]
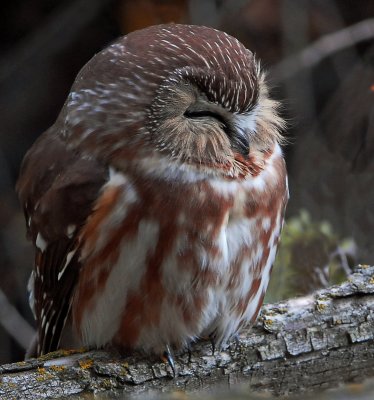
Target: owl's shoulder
[[57, 186]]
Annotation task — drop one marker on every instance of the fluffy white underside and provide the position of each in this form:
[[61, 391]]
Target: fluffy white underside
[[100, 324]]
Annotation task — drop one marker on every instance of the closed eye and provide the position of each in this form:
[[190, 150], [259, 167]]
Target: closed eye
[[204, 114], [239, 139]]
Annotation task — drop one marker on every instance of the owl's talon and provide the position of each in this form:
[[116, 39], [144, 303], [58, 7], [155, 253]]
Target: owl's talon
[[167, 356], [212, 340], [189, 352]]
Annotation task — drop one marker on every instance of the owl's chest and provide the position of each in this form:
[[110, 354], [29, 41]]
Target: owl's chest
[[206, 233], [172, 228], [186, 252]]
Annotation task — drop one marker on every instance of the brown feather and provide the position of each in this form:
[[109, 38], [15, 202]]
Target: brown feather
[[57, 188]]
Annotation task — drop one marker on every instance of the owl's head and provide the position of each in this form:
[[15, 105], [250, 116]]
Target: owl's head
[[186, 95]]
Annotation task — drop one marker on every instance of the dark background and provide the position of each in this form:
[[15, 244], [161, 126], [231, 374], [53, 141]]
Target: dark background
[[320, 58]]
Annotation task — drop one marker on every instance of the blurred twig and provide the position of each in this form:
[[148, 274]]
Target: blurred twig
[[14, 324], [342, 62], [323, 48], [295, 36]]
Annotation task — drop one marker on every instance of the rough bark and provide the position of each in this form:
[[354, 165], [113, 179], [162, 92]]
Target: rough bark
[[299, 345]]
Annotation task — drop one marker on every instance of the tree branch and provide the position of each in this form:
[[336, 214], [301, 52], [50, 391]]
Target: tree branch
[[322, 48], [301, 344]]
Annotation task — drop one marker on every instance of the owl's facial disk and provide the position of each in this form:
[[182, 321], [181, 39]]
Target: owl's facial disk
[[189, 127]]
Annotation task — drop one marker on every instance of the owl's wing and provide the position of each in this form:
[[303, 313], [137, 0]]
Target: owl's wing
[[57, 188]]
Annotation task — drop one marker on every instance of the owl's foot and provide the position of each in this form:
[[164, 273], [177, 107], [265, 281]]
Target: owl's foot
[[167, 356], [189, 352]]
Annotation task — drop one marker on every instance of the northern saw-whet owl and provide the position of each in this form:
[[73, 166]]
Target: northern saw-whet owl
[[156, 200]]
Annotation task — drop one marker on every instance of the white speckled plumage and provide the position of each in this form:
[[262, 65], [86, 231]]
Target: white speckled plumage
[[167, 152]]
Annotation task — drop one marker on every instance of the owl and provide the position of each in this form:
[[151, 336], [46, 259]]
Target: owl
[[156, 200]]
